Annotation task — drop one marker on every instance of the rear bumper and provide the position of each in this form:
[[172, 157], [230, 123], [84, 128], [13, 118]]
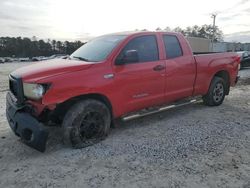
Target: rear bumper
[[32, 132]]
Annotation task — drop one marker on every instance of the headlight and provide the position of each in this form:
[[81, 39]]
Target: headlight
[[33, 91]]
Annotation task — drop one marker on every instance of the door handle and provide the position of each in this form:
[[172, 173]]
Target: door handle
[[159, 67]]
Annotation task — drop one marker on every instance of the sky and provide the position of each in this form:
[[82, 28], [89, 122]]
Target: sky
[[84, 19]]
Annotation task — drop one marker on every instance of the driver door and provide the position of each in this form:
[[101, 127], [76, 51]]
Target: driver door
[[140, 81]]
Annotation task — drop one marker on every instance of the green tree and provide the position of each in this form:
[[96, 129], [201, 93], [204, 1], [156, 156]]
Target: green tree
[[53, 43], [167, 29], [179, 30], [59, 46], [25, 47], [204, 31]]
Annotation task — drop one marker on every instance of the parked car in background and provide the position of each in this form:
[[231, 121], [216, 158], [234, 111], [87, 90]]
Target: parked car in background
[[55, 56], [244, 59], [8, 59], [2, 60], [60, 56], [38, 58], [23, 59]]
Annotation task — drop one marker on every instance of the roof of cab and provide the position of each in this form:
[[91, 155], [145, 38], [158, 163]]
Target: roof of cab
[[127, 33]]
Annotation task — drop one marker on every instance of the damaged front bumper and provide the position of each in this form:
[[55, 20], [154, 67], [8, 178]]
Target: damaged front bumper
[[32, 132]]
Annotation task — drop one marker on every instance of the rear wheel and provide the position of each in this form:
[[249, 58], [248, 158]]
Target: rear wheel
[[86, 123], [216, 93]]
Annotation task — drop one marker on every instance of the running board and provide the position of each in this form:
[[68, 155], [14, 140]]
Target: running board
[[144, 112]]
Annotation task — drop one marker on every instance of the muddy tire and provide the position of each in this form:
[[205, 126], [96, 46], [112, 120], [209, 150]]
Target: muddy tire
[[216, 93], [86, 123]]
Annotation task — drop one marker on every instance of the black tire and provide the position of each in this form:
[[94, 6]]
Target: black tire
[[86, 123], [216, 93]]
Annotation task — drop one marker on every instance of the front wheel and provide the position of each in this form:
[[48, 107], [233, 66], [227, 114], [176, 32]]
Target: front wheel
[[216, 93], [86, 123]]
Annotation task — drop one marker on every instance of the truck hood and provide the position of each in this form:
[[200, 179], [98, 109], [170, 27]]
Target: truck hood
[[45, 69]]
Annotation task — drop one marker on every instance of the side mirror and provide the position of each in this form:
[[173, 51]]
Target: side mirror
[[130, 56]]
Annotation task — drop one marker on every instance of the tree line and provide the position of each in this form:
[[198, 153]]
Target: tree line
[[204, 31], [26, 47]]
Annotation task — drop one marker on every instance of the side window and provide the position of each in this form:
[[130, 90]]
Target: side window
[[145, 46], [172, 46]]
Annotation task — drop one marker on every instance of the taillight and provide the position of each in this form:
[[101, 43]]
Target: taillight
[[237, 59], [237, 62]]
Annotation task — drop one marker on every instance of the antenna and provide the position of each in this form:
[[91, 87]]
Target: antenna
[[213, 15]]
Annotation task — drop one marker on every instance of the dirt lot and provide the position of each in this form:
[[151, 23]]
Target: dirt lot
[[192, 146]]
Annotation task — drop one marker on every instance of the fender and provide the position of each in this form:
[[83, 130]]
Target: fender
[[206, 70]]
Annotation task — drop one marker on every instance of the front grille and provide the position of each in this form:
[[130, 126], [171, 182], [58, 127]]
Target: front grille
[[13, 85], [16, 88]]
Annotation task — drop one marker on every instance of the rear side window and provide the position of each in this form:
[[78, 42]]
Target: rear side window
[[146, 46], [172, 46]]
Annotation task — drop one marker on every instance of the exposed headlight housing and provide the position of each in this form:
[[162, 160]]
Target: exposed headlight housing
[[33, 91]]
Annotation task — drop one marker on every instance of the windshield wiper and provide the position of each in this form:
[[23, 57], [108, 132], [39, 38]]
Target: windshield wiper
[[81, 58]]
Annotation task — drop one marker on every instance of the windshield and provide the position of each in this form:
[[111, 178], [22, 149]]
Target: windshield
[[97, 49]]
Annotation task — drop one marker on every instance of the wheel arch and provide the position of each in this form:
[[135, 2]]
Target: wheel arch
[[225, 76], [62, 108]]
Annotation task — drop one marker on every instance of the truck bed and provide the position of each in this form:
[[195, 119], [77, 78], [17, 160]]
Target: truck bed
[[203, 53], [207, 65]]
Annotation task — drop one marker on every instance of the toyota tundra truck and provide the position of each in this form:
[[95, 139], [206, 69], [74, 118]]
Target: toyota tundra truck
[[113, 77]]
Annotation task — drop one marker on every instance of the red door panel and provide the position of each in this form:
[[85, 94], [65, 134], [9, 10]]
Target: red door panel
[[140, 84], [180, 76], [180, 68]]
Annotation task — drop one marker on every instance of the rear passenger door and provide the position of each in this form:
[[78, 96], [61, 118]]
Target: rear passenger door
[[140, 84], [180, 68]]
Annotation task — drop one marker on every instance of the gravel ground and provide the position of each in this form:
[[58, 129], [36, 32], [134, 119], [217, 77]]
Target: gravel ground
[[191, 146]]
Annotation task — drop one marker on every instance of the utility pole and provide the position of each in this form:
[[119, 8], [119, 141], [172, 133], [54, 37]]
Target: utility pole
[[214, 17]]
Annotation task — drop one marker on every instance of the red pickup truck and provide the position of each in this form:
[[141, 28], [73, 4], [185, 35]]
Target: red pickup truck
[[122, 75]]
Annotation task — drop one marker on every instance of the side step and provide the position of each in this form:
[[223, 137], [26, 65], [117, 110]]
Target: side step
[[146, 112]]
